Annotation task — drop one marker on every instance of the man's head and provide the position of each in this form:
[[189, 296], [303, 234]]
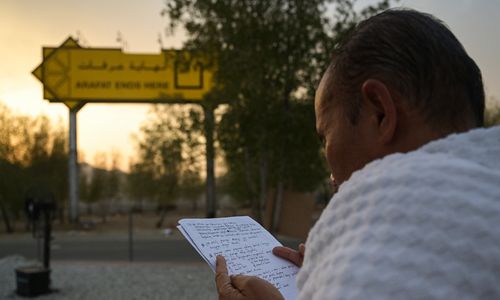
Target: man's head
[[399, 80]]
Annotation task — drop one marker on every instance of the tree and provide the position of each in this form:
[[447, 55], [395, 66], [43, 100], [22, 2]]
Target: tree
[[140, 182], [97, 185], [49, 160], [492, 113], [10, 166], [270, 56], [84, 187], [113, 180], [33, 157], [170, 156]]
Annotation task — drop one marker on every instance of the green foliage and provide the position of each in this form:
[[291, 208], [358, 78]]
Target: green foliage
[[33, 156], [101, 183], [97, 186], [84, 186], [492, 113], [270, 56], [170, 155], [113, 180]]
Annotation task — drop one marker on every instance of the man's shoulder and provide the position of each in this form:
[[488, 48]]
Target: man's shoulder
[[446, 162], [402, 217], [407, 189], [479, 146]]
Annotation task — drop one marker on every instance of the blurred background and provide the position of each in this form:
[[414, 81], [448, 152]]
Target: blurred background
[[142, 167]]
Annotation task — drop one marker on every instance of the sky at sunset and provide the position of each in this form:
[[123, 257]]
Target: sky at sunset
[[28, 25]]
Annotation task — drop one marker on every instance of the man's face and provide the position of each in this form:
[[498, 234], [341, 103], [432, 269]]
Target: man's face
[[347, 146]]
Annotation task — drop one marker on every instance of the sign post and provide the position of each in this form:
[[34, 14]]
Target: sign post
[[73, 167], [208, 110], [76, 75]]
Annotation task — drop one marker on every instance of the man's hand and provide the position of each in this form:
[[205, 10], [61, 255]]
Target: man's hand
[[240, 287], [296, 257]]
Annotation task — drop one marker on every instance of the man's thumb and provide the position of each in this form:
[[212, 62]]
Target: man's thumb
[[239, 281]]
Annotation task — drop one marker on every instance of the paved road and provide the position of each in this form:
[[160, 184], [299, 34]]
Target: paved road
[[102, 248]]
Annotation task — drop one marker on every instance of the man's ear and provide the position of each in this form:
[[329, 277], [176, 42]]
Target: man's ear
[[381, 104]]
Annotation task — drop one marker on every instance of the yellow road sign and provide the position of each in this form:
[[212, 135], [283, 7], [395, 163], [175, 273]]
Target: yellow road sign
[[71, 73]]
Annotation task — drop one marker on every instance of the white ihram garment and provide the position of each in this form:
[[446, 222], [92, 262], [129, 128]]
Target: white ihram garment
[[421, 225]]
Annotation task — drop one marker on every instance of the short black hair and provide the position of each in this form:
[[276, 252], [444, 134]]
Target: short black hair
[[416, 54]]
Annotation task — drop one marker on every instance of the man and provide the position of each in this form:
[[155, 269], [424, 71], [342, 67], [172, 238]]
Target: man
[[417, 215]]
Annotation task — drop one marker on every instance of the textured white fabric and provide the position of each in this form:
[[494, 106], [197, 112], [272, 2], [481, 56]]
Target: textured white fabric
[[421, 225]]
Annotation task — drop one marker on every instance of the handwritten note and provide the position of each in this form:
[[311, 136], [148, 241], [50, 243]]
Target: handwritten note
[[247, 247]]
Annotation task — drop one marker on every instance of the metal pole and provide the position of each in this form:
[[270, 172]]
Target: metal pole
[[38, 247], [210, 184], [46, 239], [130, 236], [73, 166]]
